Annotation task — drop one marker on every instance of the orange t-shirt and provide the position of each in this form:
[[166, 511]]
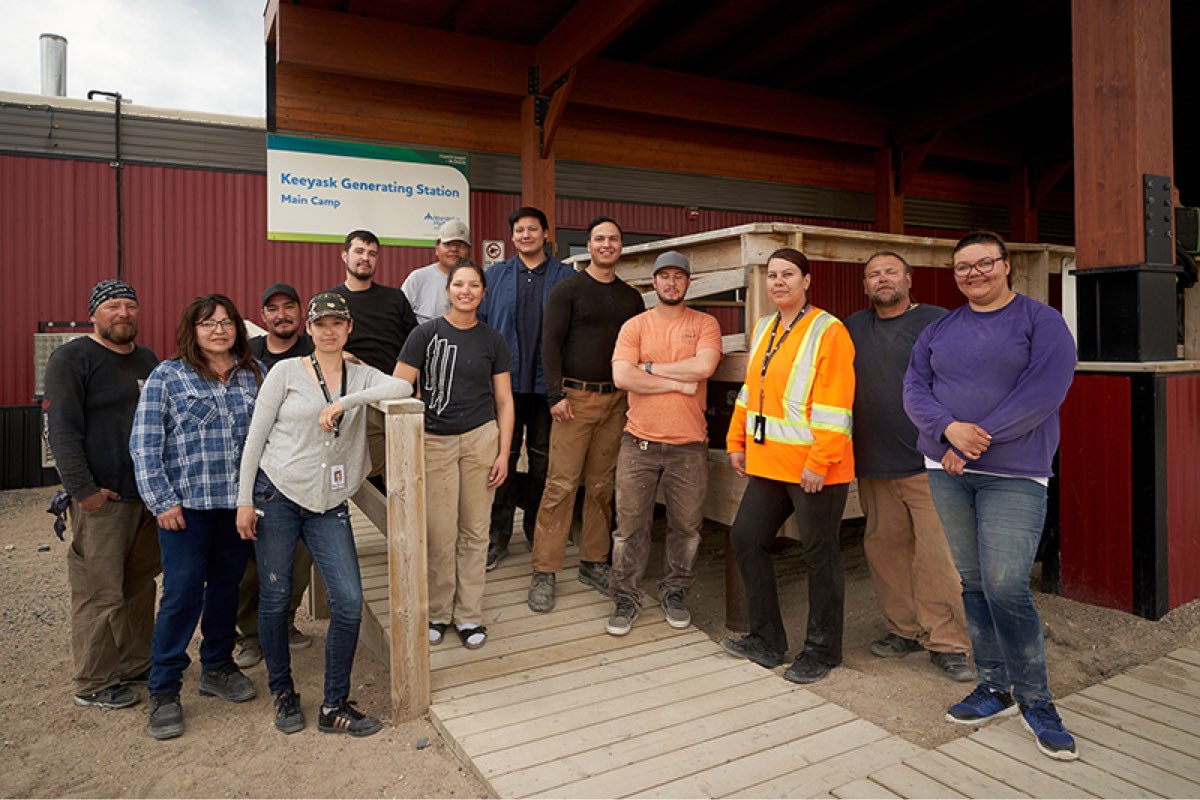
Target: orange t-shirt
[[673, 417]]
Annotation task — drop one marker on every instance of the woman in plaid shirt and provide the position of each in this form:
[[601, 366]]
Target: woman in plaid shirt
[[188, 433]]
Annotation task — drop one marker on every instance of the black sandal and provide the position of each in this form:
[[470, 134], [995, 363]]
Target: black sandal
[[440, 629], [467, 633]]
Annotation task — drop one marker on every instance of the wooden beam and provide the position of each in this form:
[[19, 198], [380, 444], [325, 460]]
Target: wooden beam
[[270, 20], [889, 204], [703, 11], [911, 163], [319, 40], [465, 15], [558, 103], [1023, 225], [586, 29], [537, 171], [1048, 179]]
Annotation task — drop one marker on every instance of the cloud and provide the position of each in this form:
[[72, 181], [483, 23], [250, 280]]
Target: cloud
[[200, 55]]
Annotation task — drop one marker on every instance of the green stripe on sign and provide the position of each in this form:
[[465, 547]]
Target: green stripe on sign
[[283, 236], [333, 147]]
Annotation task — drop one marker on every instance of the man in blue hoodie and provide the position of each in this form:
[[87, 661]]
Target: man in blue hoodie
[[516, 296]]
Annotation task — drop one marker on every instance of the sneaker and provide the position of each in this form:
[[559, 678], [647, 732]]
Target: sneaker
[[625, 611], [227, 683], [753, 648], [675, 609], [495, 555], [594, 574], [166, 716], [1042, 720], [953, 665], [141, 679], [893, 646], [806, 669], [541, 592], [249, 653], [116, 696], [297, 640], [980, 706], [288, 716], [345, 718]]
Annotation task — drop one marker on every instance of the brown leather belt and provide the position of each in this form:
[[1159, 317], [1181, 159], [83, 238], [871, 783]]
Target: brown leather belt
[[604, 387]]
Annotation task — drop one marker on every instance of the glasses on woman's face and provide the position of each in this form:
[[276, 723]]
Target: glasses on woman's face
[[983, 266], [210, 325]]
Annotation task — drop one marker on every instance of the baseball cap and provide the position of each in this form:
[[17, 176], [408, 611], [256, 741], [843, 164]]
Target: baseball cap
[[327, 304], [454, 230], [672, 258], [280, 288]]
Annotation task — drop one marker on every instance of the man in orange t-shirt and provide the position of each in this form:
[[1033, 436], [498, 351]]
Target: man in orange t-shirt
[[663, 358]]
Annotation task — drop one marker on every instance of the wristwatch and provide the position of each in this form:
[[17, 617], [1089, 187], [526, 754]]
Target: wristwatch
[[649, 364]]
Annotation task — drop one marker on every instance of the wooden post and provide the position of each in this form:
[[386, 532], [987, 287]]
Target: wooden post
[[537, 170], [408, 590], [1021, 210], [889, 206]]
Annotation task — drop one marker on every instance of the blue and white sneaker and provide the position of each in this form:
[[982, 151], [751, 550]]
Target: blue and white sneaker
[[1042, 720], [980, 706]]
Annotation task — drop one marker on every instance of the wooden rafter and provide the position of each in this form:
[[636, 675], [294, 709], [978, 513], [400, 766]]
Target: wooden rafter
[[582, 33], [1048, 179], [703, 12], [465, 15], [912, 163], [558, 103]]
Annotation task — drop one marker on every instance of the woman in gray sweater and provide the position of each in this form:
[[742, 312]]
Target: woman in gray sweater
[[305, 455]]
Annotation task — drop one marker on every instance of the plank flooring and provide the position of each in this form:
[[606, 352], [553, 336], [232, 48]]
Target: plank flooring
[[553, 706]]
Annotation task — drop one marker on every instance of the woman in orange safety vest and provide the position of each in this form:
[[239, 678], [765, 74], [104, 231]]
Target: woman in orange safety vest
[[790, 436]]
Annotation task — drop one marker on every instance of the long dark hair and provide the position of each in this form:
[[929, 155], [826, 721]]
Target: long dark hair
[[188, 346], [793, 255]]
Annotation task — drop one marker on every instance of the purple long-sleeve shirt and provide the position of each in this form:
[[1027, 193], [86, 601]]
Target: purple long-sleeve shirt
[[1007, 371]]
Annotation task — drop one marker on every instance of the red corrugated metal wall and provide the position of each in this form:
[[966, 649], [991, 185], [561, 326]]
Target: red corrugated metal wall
[[1096, 505], [1183, 478]]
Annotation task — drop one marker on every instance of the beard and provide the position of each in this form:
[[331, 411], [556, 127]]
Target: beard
[[883, 300], [670, 301], [285, 334], [119, 333]]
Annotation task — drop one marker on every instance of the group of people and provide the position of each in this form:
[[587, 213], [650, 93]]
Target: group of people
[[240, 452]]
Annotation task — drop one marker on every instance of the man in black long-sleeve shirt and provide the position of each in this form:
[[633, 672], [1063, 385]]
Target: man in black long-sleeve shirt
[[583, 316], [92, 389]]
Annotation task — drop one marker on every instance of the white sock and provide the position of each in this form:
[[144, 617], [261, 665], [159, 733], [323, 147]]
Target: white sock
[[474, 638]]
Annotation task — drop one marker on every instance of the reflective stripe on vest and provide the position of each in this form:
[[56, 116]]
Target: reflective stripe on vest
[[795, 427]]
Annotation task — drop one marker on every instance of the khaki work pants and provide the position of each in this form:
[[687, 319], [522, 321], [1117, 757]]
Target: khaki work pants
[[458, 508], [582, 448], [111, 566], [918, 587]]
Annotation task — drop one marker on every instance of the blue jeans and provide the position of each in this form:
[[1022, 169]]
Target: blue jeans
[[330, 540], [201, 566], [994, 525]]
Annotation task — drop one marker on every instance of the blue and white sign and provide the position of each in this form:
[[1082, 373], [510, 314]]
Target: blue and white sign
[[319, 190]]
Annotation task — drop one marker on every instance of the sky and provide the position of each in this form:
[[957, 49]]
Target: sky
[[197, 55]]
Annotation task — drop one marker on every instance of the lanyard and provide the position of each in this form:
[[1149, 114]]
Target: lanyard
[[325, 389], [773, 348]]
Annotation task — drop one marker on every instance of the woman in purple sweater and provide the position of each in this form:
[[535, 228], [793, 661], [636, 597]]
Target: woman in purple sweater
[[983, 387]]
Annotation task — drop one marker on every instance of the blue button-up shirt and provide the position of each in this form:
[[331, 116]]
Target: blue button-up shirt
[[187, 438]]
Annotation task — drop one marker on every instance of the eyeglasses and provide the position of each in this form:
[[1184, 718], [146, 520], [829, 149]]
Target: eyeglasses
[[210, 325], [983, 266]]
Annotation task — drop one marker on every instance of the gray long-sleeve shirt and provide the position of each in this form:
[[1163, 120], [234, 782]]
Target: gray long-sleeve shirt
[[288, 444]]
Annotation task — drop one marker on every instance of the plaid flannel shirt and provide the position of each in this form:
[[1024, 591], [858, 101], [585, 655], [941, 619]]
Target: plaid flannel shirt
[[187, 437]]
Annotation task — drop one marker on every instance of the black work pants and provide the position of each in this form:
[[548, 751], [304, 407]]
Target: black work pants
[[531, 427], [765, 506]]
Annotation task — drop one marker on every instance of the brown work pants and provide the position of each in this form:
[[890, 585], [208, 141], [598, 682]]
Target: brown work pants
[[458, 512], [111, 565], [581, 448], [915, 579]]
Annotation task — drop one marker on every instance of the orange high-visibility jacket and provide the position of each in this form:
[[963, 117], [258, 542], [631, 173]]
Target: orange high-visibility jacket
[[808, 393]]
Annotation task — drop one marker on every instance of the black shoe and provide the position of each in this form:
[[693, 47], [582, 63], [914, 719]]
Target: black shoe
[[953, 665], [595, 574], [495, 555], [166, 716], [806, 669], [116, 696], [345, 718], [288, 716], [227, 683], [755, 649], [893, 646]]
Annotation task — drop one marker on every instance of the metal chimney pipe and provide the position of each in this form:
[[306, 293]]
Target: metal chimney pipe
[[54, 64]]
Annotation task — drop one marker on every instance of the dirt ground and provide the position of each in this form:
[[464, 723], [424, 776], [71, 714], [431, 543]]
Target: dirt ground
[[50, 748]]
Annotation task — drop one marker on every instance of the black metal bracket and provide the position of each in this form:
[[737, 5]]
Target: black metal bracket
[[1156, 197]]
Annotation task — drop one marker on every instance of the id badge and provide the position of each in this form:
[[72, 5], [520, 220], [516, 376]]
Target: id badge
[[337, 476], [760, 429]]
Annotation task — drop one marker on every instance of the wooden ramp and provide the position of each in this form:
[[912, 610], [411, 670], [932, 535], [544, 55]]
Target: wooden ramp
[[553, 706]]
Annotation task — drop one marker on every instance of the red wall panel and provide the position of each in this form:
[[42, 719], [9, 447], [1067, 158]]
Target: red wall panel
[[1183, 488], [1096, 505]]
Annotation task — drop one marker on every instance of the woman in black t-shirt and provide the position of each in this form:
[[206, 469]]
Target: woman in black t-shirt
[[462, 368]]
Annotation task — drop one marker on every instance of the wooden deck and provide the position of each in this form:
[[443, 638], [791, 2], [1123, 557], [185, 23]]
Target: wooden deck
[[553, 706]]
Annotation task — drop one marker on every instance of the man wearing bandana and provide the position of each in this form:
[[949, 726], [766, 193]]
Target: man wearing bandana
[[92, 389]]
